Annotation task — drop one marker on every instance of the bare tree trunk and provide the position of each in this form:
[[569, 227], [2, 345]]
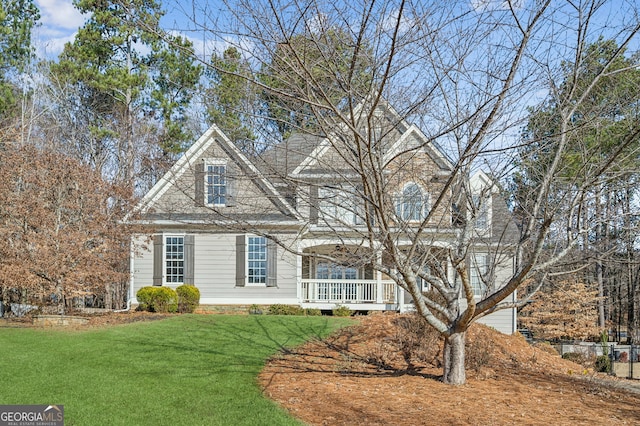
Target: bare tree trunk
[[454, 355], [634, 304], [108, 296], [599, 250], [632, 321], [61, 299]]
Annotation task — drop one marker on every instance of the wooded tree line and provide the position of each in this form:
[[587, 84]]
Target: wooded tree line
[[126, 97], [604, 257], [122, 101]]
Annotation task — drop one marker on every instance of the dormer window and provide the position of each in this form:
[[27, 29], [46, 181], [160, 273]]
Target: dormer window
[[412, 205], [482, 206], [215, 184]]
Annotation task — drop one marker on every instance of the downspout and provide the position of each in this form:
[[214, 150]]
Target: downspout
[[131, 277]]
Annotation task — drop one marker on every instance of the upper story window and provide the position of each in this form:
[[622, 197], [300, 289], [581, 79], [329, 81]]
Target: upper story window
[[338, 205], [482, 209], [412, 204], [215, 184]]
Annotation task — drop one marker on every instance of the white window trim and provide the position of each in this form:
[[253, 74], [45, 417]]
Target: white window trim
[[246, 262], [486, 204], [479, 266], [426, 203], [424, 284], [348, 214], [164, 259], [215, 162]]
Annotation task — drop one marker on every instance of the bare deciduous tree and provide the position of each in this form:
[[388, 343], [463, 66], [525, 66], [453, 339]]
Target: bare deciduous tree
[[565, 310], [62, 239], [465, 73]]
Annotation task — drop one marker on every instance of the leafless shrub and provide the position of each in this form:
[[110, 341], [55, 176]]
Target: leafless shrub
[[479, 353], [416, 340]]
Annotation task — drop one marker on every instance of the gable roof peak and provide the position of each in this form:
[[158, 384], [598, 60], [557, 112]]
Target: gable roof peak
[[196, 153]]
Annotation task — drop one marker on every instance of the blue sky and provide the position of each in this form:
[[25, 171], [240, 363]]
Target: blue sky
[[59, 21]]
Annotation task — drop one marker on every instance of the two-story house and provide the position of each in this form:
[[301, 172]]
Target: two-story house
[[288, 226]]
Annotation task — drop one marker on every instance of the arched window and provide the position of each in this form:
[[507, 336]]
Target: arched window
[[412, 205]]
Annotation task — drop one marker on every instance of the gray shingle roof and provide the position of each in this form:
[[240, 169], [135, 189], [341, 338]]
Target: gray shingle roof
[[281, 159]]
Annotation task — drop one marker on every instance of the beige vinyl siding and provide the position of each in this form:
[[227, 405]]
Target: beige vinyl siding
[[215, 266], [214, 273], [503, 321], [143, 262]]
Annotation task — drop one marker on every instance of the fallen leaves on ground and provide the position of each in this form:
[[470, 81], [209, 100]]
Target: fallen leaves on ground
[[346, 380]]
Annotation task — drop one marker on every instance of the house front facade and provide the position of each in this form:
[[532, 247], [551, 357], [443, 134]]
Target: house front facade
[[287, 226]]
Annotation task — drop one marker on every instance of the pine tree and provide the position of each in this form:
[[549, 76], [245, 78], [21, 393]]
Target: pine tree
[[17, 19], [127, 74]]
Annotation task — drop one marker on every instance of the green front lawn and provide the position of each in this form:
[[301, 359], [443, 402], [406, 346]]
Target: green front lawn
[[187, 370]]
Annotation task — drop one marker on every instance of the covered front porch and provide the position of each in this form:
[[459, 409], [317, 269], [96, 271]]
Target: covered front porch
[[330, 278]]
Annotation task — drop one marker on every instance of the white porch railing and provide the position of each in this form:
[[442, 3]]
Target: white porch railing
[[348, 291]]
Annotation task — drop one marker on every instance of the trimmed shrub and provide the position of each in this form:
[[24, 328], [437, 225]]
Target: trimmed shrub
[[341, 311], [313, 312], [165, 299], [279, 309], [145, 296], [188, 298], [157, 299], [255, 310]]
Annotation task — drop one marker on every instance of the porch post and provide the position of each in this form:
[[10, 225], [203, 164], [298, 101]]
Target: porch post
[[379, 288], [299, 274], [400, 295]]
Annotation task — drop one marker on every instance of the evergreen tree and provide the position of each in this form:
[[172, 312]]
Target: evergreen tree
[[331, 60], [126, 73], [598, 128], [17, 19], [231, 97]]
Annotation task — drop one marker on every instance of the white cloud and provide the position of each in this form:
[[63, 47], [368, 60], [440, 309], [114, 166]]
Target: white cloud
[[50, 43], [60, 14], [59, 23], [491, 5]]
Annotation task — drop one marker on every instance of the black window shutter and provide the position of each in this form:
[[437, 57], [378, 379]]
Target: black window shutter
[[313, 204], [157, 259], [272, 263], [199, 184], [231, 180], [189, 256], [241, 248]]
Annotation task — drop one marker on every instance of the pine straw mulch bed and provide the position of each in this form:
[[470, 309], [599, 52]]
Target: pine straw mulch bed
[[379, 373]]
